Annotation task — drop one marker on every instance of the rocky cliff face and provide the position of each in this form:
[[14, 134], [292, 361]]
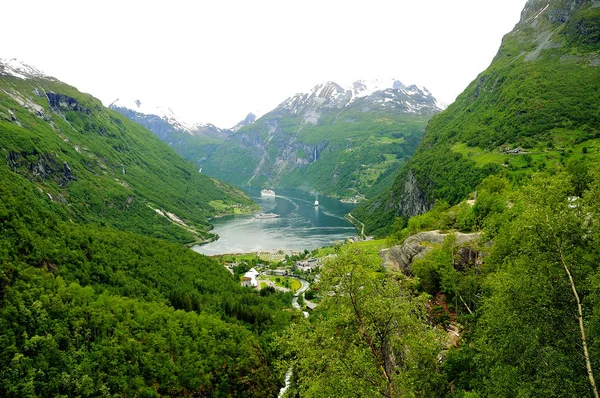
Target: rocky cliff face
[[250, 118], [401, 257], [413, 200]]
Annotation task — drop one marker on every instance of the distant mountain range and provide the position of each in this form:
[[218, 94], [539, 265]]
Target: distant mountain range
[[344, 141]]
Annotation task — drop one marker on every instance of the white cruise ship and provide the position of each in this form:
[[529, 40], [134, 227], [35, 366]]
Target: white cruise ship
[[267, 193], [266, 215]]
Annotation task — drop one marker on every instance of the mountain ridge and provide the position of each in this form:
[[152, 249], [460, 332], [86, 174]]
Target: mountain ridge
[[534, 108], [98, 165], [278, 148]]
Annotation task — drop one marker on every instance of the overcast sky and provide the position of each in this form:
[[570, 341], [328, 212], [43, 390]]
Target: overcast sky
[[215, 61]]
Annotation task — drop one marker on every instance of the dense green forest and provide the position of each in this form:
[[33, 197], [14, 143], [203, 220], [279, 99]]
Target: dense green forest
[[87, 310], [523, 298]]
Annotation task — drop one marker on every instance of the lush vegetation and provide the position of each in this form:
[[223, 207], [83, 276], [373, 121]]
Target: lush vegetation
[[369, 336], [88, 310], [534, 327], [92, 302], [99, 298], [101, 167], [537, 107], [519, 305]]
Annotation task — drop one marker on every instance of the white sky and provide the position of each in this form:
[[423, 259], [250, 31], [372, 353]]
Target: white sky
[[216, 60]]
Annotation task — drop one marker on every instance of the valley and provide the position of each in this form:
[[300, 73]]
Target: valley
[[346, 142], [144, 256]]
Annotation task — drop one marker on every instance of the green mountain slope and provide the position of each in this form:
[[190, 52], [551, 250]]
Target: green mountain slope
[[331, 140], [87, 310], [537, 107], [338, 141], [89, 306], [101, 167]]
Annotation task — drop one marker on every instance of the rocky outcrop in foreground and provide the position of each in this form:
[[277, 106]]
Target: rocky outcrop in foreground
[[401, 257]]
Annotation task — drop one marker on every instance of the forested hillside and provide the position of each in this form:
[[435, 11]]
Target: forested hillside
[[89, 311], [100, 167], [92, 302], [496, 298], [535, 108]]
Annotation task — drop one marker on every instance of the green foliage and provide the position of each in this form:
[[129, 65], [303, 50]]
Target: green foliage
[[64, 339], [101, 167], [526, 340], [491, 199], [89, 310], [435, 271], [310, 294], [368, 337]]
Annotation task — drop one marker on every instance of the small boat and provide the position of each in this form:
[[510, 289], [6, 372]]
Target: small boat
[[267, 193], [262, 216], [316, 203]]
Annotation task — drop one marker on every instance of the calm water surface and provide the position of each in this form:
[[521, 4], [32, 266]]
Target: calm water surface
[[300, 225]]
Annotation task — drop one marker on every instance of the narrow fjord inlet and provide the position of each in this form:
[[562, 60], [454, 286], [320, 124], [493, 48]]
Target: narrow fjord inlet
[[354, 235], [300, 225]]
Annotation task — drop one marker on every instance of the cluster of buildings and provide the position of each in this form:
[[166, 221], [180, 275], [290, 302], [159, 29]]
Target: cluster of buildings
[[307, 265], [250, 278]]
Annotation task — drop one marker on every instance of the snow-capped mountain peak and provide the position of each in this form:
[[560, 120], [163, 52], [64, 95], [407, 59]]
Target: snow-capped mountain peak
[[371, 94], [164, 113], [250, 118], [16, 68], [364, 88]]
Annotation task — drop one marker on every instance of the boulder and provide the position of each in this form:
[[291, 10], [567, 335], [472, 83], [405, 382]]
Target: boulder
[[401, 257]]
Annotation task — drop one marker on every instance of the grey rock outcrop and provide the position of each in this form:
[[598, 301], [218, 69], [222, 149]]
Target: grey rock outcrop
[[413, 200], [65, 103], [401, 257]]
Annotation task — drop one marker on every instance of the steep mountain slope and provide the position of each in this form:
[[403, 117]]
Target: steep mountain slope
[[536, 107], [193, 142], [98, 165], [88, 305], [334, 140]]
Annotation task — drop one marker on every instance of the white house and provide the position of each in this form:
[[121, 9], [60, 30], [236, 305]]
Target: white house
[[249, 278]]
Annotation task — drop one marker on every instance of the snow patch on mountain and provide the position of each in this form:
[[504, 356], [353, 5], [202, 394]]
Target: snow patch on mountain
[[164, 113], [364, 88], [14, 67], [383, 92]]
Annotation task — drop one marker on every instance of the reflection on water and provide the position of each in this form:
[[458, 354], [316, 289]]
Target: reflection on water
[[300, 225]]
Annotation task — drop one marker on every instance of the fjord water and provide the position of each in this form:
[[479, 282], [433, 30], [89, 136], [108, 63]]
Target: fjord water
[[300, 225]]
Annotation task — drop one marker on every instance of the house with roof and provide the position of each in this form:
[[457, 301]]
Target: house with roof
[[250, 278]]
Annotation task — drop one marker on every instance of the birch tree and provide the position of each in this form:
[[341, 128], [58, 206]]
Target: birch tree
[[369, 337]]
